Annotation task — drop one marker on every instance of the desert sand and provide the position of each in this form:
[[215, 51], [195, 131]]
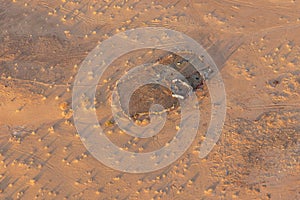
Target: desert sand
[[256, 46]]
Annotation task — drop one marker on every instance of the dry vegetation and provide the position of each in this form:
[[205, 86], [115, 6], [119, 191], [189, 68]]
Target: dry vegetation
[[42, 44]]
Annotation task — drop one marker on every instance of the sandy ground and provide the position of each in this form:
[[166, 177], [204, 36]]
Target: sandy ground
[[42, 44]]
